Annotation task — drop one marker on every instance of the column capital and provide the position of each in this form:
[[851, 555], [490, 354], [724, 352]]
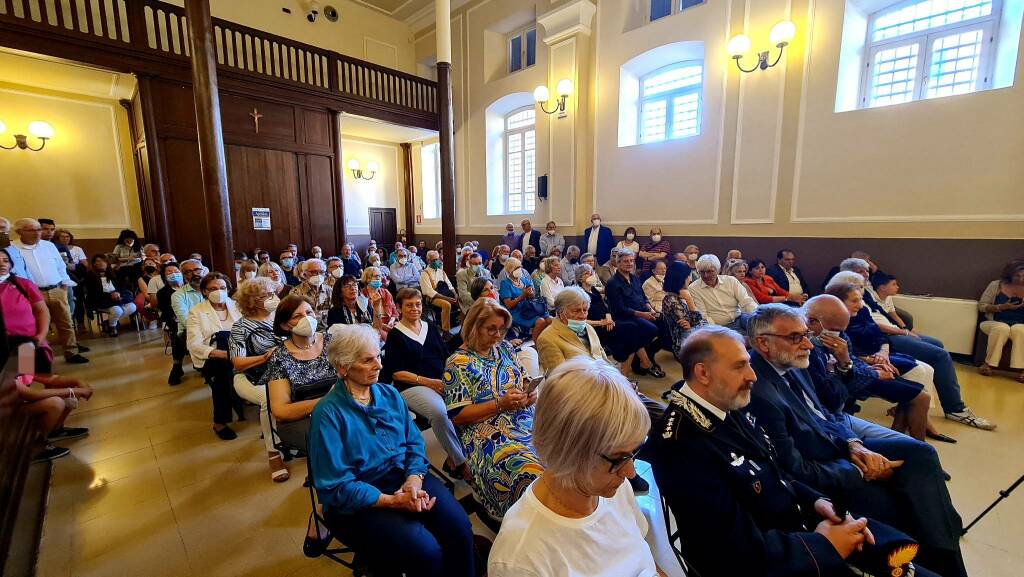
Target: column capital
[[567, 20]]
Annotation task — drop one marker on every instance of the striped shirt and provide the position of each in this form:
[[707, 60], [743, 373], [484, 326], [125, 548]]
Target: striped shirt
[[250, 338]]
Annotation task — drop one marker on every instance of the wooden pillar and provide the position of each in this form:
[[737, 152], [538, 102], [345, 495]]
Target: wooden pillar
[[211, 137], [446, 131], [161, 208], [339, 177], [410, 201]]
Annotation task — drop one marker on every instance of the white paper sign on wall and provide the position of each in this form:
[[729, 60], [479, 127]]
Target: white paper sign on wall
[[261, 219]]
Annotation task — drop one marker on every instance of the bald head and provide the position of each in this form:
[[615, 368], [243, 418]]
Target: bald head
[[829, 311]]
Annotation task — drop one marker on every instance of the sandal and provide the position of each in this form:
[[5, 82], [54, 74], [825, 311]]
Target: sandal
[[985, 370], [278, 472], [1020, 377]]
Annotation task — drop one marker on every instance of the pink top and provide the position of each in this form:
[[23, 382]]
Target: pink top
[[18, 316]]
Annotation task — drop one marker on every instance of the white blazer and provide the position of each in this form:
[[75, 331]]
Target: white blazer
[[203, 322]]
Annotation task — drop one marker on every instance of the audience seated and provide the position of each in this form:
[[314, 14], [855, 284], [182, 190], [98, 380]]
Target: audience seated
[[484, 393], [208, 334], [550, 240], [551, 283], [298, 373], [722, 300], [350, 261], [633, 315], [763, 286], [569, 263], [465, 278], [652, 251], [252, 343], [439, 290], [379, 301], [529, 311], [531, 262], [606, 271], [863, 466], [736, 268], [335, 270], [348, 307], [52, 403], [150, 272], [22, 306], [404, 272], [414, 364], [526, 354], [1002, 303], [288, 267], [312, 287], [654, 286], [274, 272], [739, 511], [579, 517], [598, 240], [108, 293], [371, 475], [173, 280], [678, 313], [787, 276], [629, 240]]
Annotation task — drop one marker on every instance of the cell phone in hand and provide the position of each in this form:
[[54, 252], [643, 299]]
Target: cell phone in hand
[[530, 384], [1015, 301]]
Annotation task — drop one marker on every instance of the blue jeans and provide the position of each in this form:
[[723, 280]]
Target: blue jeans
[[930, 350], [435, 543]]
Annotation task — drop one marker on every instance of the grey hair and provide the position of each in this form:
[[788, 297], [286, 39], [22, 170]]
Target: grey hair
[[625, 252], [709, 262], [194, 261], [305, 264], [331, 259], [350, 341], [149, 246], [586, 409], [512, 263], [765, 316], [434, 253], [570, 296], [846, 277], [570, 249], [852, 264], [582, 269], [734, 263], [23, 222], [548, 261]]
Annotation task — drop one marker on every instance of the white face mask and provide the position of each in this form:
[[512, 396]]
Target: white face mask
[[592, 280], [271, 303], [218, 296], [630, 236], [660, 277], [305, 327], [402, 261], [315, 280], [655, 238], [551, 232], [596, 222], [521, 273], [692, 257], [249, 275], [338, 272], [4, 277]]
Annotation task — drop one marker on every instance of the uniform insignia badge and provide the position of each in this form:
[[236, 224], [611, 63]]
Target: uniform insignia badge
[[900, 558], [757, 487], [754, 465], [737, 461]]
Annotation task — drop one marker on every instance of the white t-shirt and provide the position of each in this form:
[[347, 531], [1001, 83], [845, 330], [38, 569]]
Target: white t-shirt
[[536, 542], [155, 284]]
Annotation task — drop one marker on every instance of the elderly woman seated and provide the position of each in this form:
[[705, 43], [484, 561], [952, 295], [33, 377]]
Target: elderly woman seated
[[529, 313], [368, 465], [677, 311], [348, 307], [298, 372], [379, 300], [1002, 303], [525, 353], [274, 272], [414, 365], [579, 517], [551, 282], [487, 400]]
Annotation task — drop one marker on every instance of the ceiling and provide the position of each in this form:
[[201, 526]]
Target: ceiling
[[362, 127], [37, 71]]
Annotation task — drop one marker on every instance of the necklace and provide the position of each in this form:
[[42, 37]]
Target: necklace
[[311, 344], [554, 495], [364, 400]]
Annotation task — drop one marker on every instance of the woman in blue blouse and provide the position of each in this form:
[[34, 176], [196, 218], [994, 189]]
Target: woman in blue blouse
[[519, 296], [369, 467]]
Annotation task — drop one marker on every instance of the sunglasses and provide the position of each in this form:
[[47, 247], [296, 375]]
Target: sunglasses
[[618, 462]]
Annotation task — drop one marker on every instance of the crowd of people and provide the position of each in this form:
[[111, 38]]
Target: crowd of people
[[525, 365]]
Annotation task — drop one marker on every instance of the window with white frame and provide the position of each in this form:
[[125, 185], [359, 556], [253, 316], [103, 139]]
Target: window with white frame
[[520, 160], [522, 49], [670, 99], [663, 8], [430, 155], [919, 49]]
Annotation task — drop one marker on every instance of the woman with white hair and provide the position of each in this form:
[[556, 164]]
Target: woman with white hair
[[551, 283], [275, 273], [368, 465], [520, 297], [580, 517]]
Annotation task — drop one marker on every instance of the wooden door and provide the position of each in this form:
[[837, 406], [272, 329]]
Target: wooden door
[[261, 178], [384, 227], [186, 198], [319, 203]]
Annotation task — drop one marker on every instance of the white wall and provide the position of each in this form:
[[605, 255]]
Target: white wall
[[384, 191]]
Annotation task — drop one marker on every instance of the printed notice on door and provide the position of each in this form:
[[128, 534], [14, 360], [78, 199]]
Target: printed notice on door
[[261, 219]]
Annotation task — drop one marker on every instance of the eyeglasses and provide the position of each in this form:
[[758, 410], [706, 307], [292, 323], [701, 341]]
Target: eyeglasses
[[794, 338], [618, 462], [494, 332]]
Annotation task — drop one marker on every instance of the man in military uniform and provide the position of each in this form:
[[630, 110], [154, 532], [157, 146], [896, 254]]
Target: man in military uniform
[[890, 477], [738, 512]]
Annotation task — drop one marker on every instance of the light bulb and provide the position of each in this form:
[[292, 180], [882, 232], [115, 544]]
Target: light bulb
[[3, 127], [564, 87], [738, 46], [40, 129], [541, 93], [372, 167], [782, 33], [353, 164]]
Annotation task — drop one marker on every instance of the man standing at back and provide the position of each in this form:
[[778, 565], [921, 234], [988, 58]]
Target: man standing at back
[[598, 239], [49, 271]]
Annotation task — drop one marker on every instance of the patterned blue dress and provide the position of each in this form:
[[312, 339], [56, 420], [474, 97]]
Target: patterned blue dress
[[499, 449]]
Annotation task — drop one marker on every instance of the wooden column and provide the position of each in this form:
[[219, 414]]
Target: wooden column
[[211, 136], [446, 131], [339, 177], [410, 187], [161, 208]]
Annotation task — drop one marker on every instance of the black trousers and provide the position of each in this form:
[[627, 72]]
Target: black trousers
[[220, 376], [178, 349]]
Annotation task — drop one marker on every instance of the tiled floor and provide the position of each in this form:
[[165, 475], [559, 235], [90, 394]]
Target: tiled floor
[[152, 492]]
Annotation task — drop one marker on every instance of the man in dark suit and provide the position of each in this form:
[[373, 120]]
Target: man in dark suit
[[788, 276], [892, 478], [601, 245], [739, 512], [529, 237]]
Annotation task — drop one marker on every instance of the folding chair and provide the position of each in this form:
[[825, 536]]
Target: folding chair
[[675, 540], [337, 552]]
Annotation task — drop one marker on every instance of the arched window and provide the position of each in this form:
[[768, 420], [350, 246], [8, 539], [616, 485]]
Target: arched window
[[929, 48], [670, 100], [520, 160]]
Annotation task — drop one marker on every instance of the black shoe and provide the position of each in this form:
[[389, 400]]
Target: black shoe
[[83, 349], [66, 433], [640, 487], [940, 437], [656, 372], [226, 433], [314, 547], [50, 453], [113, 332], [175, 377], [76, 359]]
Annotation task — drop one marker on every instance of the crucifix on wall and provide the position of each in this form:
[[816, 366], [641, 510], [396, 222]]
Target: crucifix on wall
[[256, 116]]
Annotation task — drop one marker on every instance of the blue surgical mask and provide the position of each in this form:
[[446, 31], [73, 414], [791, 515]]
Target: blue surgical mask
[[436, 264], [375, 284], [477, 268], [176, 277], [578, 327], [287, 262]]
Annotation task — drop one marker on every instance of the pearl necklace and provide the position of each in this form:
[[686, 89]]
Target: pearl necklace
[[304, 348]]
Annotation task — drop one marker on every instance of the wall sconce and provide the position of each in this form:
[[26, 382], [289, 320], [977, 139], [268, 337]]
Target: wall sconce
[[357, 172], [38, 129], [780, 36], [541, 95]]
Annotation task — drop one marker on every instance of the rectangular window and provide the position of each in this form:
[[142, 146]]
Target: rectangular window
[[894, 74], [431, 180], [955, 61], [663, 8], [520, 161], [670, 102], [522, 49]]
